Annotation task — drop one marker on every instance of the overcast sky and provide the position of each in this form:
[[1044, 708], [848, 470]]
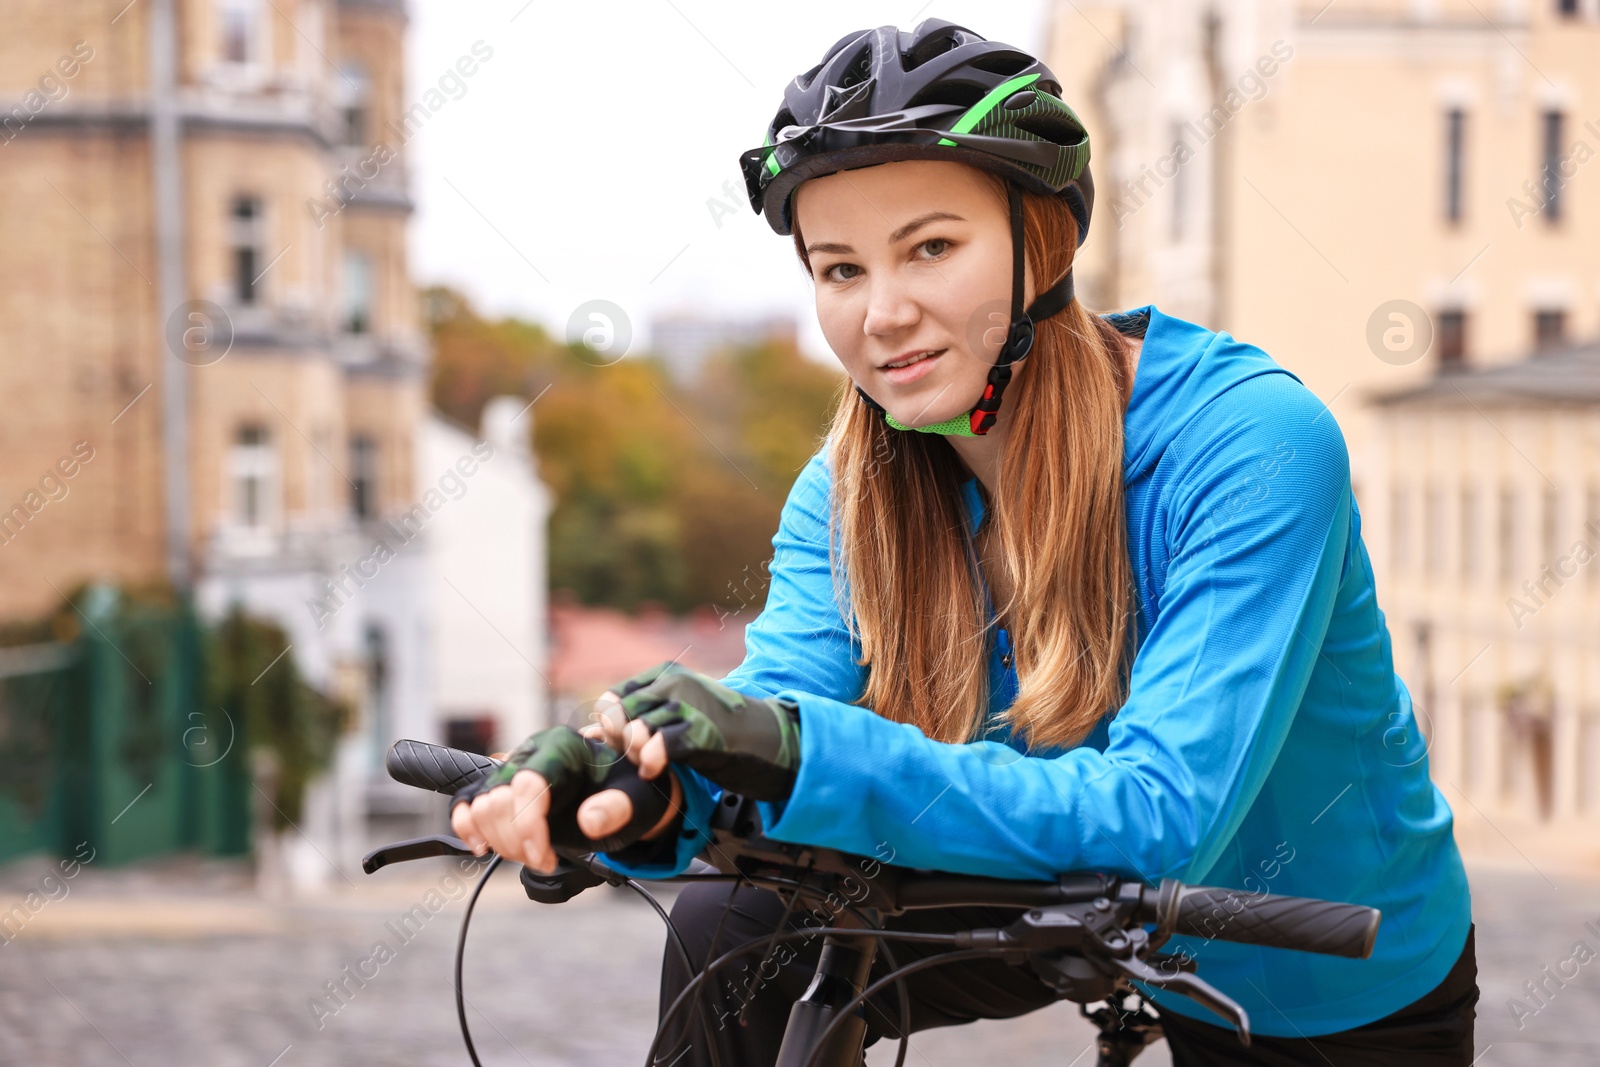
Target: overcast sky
[[580, 159]]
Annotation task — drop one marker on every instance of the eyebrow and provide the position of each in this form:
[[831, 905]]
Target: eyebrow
[[894, 238]]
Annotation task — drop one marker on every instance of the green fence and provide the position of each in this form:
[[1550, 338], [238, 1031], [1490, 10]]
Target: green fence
[[107, 739]]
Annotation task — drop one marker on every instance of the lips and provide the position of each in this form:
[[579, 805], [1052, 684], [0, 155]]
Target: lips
[[913, 359], [902, 372]]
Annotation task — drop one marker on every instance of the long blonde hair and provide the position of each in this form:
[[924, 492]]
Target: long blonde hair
[[900, 544]]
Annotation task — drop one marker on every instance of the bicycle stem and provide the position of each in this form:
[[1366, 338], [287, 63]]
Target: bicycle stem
[[841, 974]]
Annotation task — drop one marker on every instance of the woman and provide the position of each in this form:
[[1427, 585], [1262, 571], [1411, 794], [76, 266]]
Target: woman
[[1060, 592]]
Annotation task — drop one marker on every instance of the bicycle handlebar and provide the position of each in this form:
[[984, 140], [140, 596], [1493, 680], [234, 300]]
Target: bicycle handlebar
[[1297, 923]]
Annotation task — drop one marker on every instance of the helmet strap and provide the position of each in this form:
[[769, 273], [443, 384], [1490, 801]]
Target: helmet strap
[[1018, 343]]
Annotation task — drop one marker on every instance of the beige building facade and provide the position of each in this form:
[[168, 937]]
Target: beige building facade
[[1489, 548], [295, 329], [1336, 182], [214, 364], [1397, 200]]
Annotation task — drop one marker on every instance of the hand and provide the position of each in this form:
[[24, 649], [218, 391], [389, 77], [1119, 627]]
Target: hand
[[509, 811], [750, 745]]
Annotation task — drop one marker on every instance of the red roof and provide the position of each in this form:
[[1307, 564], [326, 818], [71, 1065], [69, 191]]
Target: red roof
[[592, 649]]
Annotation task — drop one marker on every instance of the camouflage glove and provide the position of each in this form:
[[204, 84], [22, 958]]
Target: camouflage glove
[[576, 768], [749, 745]]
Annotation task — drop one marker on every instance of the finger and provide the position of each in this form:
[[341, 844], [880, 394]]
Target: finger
[[595, 730], [604, 813], [462, 826], [653, 757], [616, 733], [491, 812], [528, 823], [634, 738], [609, 713]]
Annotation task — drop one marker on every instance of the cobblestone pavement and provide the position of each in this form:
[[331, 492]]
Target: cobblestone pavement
[[187, 966]]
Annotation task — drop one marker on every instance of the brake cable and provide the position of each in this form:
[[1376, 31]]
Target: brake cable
[[902, 996], [732, 954], [688, 964], [461, 955], [897, 975]]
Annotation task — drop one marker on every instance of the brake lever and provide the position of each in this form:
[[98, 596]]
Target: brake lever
[[415, 848], [1192, 986]]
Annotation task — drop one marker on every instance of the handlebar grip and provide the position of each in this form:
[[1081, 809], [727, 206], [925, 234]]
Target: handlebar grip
[[1298, 923], [443, 770], [450, 770]]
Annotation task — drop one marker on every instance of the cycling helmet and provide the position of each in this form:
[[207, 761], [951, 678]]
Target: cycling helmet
[[936, 92]]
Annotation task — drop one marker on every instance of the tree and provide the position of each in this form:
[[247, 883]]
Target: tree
[[662, 494]]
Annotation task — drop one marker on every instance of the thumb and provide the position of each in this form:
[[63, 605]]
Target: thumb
[[604, 813]]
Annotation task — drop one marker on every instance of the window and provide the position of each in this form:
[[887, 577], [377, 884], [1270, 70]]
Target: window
[[357, 292], [1551, 516], [1400, 529], [240, 24], [364, 477], [1433, 529], [1591, 526], [253, 468], [1508, 531], [375, 643], [1452, 333], [354, 91], [1469, 532], [1554, 122], [1549, 328], [247, 226], [1455, 143], [1180, 197]]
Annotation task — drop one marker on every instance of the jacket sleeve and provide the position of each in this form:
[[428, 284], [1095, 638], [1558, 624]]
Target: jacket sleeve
[[799, 641], [1257, 526]]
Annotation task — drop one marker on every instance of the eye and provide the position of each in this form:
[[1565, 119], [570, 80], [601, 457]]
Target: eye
[[944, 246], [830, 276]]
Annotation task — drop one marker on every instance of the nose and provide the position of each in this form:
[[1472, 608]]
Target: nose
[[891, 309]]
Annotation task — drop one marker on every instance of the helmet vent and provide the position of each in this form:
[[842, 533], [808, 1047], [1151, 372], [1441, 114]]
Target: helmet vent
[[859, 69], [926, 50], [959, 94], [1057, 129], [1005, 64]]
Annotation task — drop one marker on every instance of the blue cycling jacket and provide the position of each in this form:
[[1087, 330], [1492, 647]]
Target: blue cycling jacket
[[1266, 743]]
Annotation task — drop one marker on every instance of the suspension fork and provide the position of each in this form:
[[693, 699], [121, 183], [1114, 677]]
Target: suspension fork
[[841, 974]]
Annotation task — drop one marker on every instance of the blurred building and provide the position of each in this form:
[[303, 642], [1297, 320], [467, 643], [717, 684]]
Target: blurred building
[[685, 342], [1286, 170], [1393, 199], [493, 677], [208, 313], [1490, 483]]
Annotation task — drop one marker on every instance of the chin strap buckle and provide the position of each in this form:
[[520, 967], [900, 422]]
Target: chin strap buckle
[[1019, 342]]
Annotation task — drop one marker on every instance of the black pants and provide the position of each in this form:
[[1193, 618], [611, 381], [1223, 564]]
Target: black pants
[[750, 1004], [1434, 1031]]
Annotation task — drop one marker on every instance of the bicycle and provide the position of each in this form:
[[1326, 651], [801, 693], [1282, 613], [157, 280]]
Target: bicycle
[[1084, 934]]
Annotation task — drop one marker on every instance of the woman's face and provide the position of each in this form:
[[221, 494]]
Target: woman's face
[[908, 258]]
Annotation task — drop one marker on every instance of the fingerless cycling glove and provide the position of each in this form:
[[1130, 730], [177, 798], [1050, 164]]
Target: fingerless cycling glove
[[750, 745]]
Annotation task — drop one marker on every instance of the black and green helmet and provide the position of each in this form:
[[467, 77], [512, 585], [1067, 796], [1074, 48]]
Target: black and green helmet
[[936, 92]]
